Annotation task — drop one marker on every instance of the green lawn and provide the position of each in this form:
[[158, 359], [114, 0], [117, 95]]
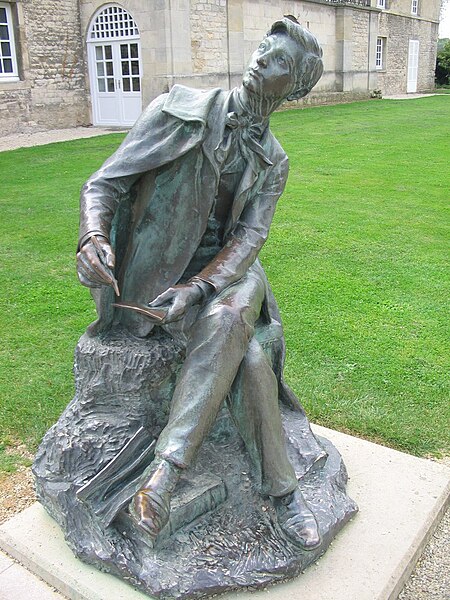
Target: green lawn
[[357, 257]]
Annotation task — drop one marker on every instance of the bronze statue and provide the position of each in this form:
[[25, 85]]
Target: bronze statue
[[170, 231], [223, 173]]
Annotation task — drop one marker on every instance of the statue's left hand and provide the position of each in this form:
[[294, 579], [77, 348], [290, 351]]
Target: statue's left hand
[[178, 299]]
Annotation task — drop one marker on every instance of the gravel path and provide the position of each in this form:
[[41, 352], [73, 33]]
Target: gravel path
[[430, 579], [16, 493]]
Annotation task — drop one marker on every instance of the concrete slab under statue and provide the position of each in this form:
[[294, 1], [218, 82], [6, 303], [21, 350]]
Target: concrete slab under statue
[[185, 464]]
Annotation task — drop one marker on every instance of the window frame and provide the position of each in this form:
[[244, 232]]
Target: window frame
[[380, 54], [415, 7], [381, 4], [14, 74], [103, 27]]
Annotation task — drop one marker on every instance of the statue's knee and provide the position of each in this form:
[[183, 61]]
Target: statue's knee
[[232, 320], [255, 359]]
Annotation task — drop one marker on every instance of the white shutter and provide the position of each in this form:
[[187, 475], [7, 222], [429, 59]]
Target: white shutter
[[413, 66]]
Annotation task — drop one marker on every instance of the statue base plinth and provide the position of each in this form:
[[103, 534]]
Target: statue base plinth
[[222, 535]]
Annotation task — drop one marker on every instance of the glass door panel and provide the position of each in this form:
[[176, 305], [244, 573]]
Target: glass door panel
[[413, 66], [104, 69], [130, 68]]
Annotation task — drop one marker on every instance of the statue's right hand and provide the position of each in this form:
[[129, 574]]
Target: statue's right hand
[[95, 262]]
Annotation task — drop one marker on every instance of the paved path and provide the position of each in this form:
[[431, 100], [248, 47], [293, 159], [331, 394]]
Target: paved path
[[26, 140], [16, 583], [409, 96]]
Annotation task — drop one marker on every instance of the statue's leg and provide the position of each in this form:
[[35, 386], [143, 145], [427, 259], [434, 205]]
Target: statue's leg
[[219, 349], [254, 407], [216, 345]]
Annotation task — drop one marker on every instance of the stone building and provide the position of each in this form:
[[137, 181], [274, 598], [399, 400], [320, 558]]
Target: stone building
[[75, 62]]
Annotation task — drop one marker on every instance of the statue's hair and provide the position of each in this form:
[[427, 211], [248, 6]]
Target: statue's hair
[[310, 70]]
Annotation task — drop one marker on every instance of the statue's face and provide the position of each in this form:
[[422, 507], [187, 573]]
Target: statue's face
[[271, 71]]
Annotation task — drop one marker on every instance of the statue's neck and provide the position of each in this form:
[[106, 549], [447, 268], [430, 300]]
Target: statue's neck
[[256, 106]]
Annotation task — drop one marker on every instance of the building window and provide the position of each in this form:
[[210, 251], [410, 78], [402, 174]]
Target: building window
[[113, 22], [415, 7], [381, 3], [8, 61], [117, 65], [380, 53]]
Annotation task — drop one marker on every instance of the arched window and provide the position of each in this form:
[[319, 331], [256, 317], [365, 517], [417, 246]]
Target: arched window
[[113, 22]]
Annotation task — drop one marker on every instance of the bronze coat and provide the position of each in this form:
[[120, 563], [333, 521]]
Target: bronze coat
[[154, 195], [152, 198]]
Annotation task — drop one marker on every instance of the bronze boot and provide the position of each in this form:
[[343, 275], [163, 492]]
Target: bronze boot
[[297, 521], [150, 506]]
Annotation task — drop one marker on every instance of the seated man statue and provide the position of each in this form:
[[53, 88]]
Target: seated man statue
[[202, 173]]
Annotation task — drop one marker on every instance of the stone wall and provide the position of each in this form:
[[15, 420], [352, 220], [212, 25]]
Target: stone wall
[[360, 40], [399, 30], [322, 98], [51, 93], [15, 105], [209, 36], [428, 9]]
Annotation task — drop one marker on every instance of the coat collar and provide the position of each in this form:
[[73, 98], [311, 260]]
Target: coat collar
[[190, 104], [199, 106]]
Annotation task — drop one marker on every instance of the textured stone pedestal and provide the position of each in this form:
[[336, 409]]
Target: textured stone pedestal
[[401, 499], [223, 534]]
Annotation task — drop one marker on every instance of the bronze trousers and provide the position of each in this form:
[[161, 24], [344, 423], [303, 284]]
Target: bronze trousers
[[224, 360]]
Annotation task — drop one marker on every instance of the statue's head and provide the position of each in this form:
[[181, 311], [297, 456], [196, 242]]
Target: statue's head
[[287, 64]]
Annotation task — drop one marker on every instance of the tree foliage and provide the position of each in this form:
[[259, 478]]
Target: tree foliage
[[443, 64]]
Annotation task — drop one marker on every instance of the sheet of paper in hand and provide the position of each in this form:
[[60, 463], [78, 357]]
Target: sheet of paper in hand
[[154, 314]]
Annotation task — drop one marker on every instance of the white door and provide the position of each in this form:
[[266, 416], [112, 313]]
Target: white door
[[114, 68], [413, 66]]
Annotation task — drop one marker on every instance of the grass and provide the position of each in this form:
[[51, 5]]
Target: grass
[[44, 309], [357, 258]]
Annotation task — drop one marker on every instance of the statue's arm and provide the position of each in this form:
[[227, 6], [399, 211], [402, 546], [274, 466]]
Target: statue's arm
[[103, 191], [156, 138], [101, 195], [249, 234]]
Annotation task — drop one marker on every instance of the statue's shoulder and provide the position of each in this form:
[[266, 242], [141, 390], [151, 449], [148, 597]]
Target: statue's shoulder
[[186, 104], [190, 104]]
